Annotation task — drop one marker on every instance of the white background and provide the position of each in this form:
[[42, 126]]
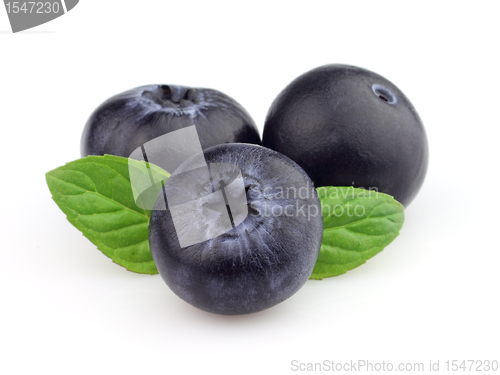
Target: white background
[[433, 294]]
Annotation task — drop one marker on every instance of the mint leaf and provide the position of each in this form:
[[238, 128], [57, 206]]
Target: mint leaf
[[96, 195], [358, 224]]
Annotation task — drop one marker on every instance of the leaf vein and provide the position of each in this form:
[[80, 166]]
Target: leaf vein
[[104, 197]]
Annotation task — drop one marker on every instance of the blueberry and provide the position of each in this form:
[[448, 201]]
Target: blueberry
[[130, 119], [349, 126], [257, 263]]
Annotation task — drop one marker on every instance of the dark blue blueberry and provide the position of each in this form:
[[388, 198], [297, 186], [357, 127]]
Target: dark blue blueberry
[[348, 126], [260, 262], [130, 119]]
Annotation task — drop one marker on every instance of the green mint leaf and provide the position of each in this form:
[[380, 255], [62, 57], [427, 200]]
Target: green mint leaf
[[96, 195], [358, 224]]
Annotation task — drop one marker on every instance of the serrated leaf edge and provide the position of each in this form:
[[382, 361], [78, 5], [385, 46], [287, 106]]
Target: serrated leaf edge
[[345, 226], [105, 249]]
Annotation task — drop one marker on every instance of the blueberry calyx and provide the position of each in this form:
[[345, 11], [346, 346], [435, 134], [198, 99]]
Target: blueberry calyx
[[384, 94], [173, 97]]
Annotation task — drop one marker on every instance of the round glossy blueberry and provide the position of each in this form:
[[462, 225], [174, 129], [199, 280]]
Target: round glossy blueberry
[[260, 262], [349, 126], [128, 120]]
